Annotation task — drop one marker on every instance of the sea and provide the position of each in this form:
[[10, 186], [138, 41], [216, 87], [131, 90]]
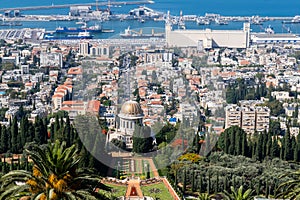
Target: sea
[[270, 8]]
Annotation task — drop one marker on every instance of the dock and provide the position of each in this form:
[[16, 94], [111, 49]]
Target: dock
[[81, 4]]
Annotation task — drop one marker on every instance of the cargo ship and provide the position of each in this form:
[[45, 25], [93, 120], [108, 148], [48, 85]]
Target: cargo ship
[[128, 33], [80, 35]]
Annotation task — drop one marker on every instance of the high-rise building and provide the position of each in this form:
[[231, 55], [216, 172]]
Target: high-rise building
[[250, 118], [84, 48]]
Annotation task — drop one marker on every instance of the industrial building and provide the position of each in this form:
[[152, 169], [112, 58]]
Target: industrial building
[[206, 39], [263, 38]]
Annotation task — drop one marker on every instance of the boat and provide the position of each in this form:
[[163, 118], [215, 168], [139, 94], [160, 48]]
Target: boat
[[295, 20], [11, 24], [80, 35], [202, 21], [221, 21], [128, 33], [145, 12], [92, 29], [269, 30]]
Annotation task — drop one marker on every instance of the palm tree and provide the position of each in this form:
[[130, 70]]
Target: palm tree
[[290, 189], [204, 196], [238, 194], [55, 176]]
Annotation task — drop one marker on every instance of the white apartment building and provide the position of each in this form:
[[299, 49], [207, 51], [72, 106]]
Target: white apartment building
[[51, 60], [249, 118]]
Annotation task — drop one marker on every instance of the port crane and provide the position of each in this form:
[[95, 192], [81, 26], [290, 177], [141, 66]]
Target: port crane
[[288, 29]]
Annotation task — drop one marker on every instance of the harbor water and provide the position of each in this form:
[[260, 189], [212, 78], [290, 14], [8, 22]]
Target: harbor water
[[269, 8]]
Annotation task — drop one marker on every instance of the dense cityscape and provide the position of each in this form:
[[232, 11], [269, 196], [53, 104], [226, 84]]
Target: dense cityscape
[[90, 113]]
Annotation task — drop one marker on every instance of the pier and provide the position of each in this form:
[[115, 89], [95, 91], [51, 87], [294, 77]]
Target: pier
[[82, 4]]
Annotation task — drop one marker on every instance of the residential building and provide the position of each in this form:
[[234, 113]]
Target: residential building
[[51, 60], [250, 118]]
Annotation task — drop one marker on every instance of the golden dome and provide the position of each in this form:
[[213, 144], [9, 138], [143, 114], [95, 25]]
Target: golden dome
[[131, 109]]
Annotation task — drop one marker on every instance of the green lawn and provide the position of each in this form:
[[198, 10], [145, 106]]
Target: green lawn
[[117, 190], [157, 191]]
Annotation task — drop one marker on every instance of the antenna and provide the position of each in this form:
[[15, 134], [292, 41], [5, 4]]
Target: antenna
[[108, 6], [97, 8]]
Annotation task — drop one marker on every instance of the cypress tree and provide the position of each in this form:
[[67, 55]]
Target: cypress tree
[[294, 150], [26, 163], [14, 136], [238, 142], [4, 165], [287, 146], [264, 144], [258, 187], [11, 163], [226, 141], [62, 122], [67, 132], [56, 125], [267, 189], [23, 131], [269, 144], [52, 132], [282, 148], [208, 183], [18, 164], [31, 133], [259, 147], [244, 147], [0, 139], [184, 181], [253, 147], [225, 182], [275, 150], [217, 183], [233, 181], [37, 131], [193, 180], [232, 142], [200, 183], [4, 140]]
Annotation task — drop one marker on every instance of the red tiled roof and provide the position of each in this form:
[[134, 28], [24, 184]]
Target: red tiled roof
[[75, 71]]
